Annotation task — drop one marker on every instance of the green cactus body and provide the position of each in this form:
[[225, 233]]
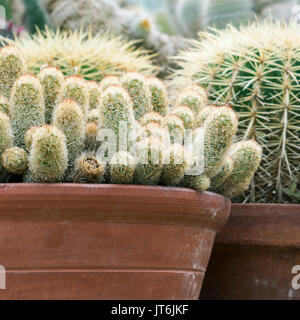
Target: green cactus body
[[68, 117], [176, 128], [75, 88], [255, 68], [91, 132], [12, 66], [246, 157], [203, 114], [159, 96], [139, 93], [15, 160], [222, 174], [88, 169], [94, 90], [6, 135], [48, 159], [199, 182], [173, 171], [108, 82], [29, 136], [190, 98], [4, 105], [186, 115], [152, 117], [122, 166], [220, 128], [93, 116], [150, 162], [27, 107], [154, 129], [51, 80]]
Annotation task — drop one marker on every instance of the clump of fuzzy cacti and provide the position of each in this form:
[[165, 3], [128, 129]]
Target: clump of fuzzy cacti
[[255, 69], [120, 131]]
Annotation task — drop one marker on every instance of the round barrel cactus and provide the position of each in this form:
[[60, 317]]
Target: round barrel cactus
[[256, 70]]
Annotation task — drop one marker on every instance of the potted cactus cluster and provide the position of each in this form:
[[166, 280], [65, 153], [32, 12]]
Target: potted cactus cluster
[[96, 196], [255, 69]]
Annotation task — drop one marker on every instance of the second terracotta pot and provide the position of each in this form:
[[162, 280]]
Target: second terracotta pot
[[255, 253]]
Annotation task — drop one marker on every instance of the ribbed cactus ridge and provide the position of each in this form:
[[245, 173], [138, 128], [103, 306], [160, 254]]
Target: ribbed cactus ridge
[[6, 136], [222, 174], [122, 166], [159, 96], [88, 169], [186, 115], [220, 128], [246, 157], [139, 93], [75, 88], [255, 69], [190, 98], [12, 66], [51, 80], [4, 105], [27, 107], [203, 114], [15, 160], [91, 133], [150, 161], [68, 117], [152, 116], [94, 90], [93, 116], [173, 171], [109, 81], [48, 159], [29, 136]]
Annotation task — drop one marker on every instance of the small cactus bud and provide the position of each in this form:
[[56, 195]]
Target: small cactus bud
[[12, 66], [203, 114], [94, 94], [122, 166], [91, 132], [6, 136], [109, 81], [246, 157], [152, 117], [199, 183], [27, 107], [68, 117], [93, 116], [28, 137], [15, 160], [48, 159], [186, 115], [150, 162], [192, 99], [87, 169], [51, 80], [139, 93], [159, 96], [200, 91], [222, 174], [173, 171], [220, 128], [4, 105], [75, 88]]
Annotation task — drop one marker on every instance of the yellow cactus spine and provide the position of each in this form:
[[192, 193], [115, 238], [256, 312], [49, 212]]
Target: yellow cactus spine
[[15, 160], [51, 80], [27, 107]]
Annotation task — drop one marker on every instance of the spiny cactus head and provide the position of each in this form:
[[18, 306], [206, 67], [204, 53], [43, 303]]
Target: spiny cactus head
[[199, 182], [203, 114], [6, 136], [69, 118], [15, 160], [186, 115], [88, 169], [224, 172], [122, 166], [48, 159], [51, 80], [159, 95], [93, 116], [220, 128], [12, 66], [29, 136], [200, 91], [75, 88], [139, 93], [152, 116], [94, 90], [190, 98], [91, 133], [154, 129], [109, 81], [4, 105]]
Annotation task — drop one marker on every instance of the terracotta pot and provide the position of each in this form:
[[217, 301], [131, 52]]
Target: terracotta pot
[[254, 254], [71, 241]]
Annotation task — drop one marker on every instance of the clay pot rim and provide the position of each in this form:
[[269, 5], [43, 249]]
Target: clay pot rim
[[114, 203]]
